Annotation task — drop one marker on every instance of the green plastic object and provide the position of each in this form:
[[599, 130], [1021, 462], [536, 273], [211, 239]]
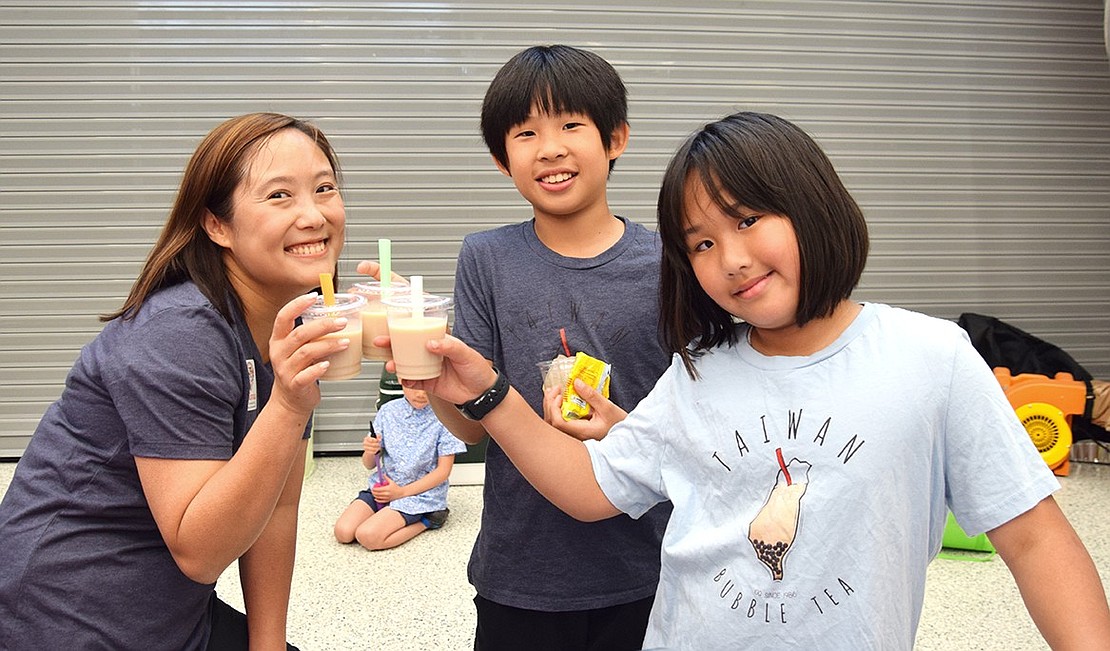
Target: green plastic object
[[956, 539]]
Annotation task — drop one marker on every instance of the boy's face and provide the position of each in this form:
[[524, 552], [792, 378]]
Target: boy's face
[[416, 397], [559, 163]]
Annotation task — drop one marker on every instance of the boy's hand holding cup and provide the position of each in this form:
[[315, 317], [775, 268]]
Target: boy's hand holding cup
[[415, 318], [465, 375]]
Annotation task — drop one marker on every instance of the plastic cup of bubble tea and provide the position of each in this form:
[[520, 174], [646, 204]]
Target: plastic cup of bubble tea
[[345, 364], [414, 319], [374, 322], [555, 372]]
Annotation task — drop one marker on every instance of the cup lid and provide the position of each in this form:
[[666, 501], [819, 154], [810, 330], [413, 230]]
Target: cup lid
[[430, 301], [344, 303], [374, 288]]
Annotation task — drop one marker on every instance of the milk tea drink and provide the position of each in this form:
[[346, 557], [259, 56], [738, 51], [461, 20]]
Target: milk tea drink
[[345, 364], [374, 322], [413, 321]]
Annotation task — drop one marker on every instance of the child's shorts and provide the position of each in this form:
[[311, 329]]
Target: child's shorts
[[431, 520]]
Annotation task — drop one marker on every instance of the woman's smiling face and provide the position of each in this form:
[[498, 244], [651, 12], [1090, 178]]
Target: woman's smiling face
[[287, 223]]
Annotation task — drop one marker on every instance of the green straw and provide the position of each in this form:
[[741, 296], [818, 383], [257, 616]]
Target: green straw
[[384, 254]]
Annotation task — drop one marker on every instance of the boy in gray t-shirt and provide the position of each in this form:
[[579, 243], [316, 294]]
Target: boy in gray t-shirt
[[555, 121]]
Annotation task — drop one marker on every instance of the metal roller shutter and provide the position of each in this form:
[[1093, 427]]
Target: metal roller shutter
[[976, 136]]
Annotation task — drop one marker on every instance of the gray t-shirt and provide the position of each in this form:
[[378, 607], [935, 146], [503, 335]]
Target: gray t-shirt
[[512, 297], [84, 565]]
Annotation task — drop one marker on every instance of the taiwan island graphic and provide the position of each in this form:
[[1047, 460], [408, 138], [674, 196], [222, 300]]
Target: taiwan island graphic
[[774, 527]]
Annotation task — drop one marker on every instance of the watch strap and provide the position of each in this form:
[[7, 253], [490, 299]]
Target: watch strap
[[480, 407]]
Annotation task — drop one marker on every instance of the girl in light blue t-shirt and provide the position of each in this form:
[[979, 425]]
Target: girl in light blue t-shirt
[[811, 445]]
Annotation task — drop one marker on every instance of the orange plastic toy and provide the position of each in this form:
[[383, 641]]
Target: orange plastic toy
[[1045, 406]]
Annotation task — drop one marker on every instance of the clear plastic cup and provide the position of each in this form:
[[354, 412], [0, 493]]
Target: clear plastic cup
[[556, 372], [374, 322], [409, 333], [345, 364]]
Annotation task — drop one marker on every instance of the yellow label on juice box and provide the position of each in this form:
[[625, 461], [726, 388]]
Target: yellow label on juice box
[[593, 372]]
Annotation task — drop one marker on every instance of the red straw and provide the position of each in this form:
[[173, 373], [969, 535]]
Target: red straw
[[782, 464], [563, 336]]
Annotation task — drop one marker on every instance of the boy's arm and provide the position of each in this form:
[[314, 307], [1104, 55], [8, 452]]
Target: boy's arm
[[1056, 576], [370, 447], [464, 429], [603, 413], [437, 476]]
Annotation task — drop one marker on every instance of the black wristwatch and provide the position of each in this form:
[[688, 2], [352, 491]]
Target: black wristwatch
[[478, 408]]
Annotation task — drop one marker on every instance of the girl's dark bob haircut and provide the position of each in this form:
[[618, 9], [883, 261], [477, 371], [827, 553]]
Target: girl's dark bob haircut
[[768, 165], [555, 79]]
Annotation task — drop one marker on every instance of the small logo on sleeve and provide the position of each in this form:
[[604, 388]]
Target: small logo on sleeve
[[252, 396]]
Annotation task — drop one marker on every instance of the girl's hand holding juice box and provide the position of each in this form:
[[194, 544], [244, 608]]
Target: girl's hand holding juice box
[[562, 371]]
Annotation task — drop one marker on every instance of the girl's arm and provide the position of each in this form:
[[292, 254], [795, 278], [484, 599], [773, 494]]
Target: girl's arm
[[556, 464], [1056, 576]]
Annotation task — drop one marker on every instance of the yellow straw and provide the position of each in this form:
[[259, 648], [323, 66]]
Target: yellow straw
[[328, 289]]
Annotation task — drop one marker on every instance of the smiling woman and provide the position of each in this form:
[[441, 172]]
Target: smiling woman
[[288, 222], [179, 442]]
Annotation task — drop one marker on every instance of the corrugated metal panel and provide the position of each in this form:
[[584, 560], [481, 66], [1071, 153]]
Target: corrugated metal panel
[[976, 135]]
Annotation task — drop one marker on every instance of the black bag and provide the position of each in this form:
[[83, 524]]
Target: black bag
[[1002, 344]]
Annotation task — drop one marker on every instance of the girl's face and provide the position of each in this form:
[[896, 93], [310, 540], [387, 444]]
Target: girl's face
[[749, 266], [287, 222]]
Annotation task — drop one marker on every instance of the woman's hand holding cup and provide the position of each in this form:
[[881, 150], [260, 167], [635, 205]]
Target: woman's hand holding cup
[[298, 354]]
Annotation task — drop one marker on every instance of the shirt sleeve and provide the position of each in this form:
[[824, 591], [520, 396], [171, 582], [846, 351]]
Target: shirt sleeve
[[474, 314], [993, 470], [629, 462], [176, 383], [446, 442]]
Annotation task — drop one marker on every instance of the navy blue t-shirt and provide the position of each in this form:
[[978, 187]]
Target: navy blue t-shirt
[[513, 295], [84, 565]]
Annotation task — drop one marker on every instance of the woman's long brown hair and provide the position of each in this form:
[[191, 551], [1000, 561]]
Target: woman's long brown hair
[[219, 164]]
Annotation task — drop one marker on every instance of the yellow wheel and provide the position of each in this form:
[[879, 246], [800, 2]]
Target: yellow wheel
[[1048, 429]]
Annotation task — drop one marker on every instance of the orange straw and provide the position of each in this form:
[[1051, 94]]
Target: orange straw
[[328, 288]]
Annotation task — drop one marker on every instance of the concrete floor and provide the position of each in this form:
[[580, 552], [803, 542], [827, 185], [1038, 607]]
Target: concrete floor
[[417, 597]]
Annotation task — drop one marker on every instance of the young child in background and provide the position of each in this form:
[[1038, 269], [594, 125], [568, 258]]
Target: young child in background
[[555, 120], [811, 445], [417, 456]]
